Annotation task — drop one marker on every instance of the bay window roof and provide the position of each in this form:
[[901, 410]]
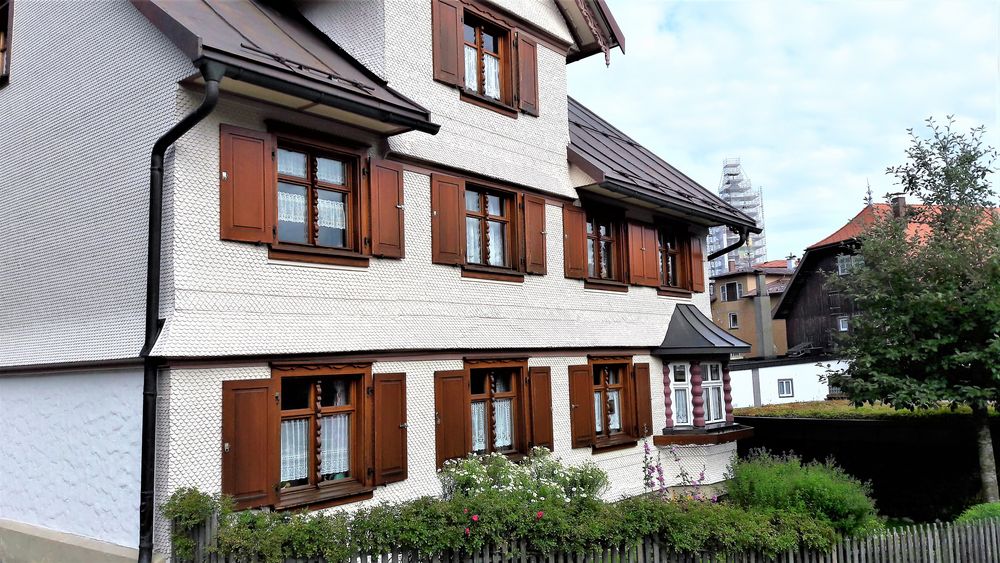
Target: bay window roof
[[692, 334]]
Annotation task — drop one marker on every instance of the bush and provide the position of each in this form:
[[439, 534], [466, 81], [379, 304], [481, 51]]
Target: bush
[[822, 490], [983, 511], [490, 500], [186, 509]]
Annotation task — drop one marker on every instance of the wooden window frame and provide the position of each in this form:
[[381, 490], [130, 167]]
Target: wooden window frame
[[506, 105], [625, 437], [6, 33], [510, 202], [318, 493], [709, 384], [356, 169], [521, 417], [682, 254], [617, 238]]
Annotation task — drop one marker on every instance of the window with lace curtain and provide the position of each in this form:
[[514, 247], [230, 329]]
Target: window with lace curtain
[[494, 394], [487, 226], [316, 198], [484, 55], [609, 399]]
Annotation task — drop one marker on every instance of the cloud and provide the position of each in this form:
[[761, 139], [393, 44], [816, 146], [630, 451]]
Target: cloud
[[814, 97]]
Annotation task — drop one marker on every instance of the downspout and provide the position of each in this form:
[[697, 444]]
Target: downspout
[[212, 73], [743, 239]]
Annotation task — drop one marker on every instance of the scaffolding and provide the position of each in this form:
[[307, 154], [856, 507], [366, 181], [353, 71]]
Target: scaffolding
[[736, 189]]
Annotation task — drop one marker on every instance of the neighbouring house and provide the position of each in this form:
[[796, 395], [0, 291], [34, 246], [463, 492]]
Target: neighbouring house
[[304, 253], [735, 304]]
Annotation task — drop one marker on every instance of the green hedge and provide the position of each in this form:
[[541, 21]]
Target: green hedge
[[821, 490], [842, 409], [983, 511], [490, 500]]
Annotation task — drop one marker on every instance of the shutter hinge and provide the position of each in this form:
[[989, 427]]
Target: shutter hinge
[[277, 397], [371, 472], [370, 391], [364, 171], [367, 241]]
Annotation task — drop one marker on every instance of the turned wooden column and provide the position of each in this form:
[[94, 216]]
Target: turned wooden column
[[727, 392], [697, 395], [668, 402]]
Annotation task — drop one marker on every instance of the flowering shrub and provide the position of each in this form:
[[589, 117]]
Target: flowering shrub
[[653, 469]]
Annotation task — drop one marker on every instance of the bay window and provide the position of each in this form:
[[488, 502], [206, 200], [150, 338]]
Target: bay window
[[681, 385], [712, 393]]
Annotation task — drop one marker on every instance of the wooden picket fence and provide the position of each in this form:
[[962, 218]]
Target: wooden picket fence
[[974, 542]]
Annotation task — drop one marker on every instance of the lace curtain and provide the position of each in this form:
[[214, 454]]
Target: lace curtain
[[473, 241], [598, 413], [291, 207], [615, 410], [491, 68], [471, 69], [503, 420], [498, 244], [335, 434], [681, 406], [332, 214], [478, 426], [294, 449]]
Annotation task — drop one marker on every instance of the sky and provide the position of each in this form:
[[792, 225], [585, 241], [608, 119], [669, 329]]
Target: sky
[[814, 97]]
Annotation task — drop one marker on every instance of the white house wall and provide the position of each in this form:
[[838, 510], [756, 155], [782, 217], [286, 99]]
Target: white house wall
[[806, 383], [92, 85], [70, 458], [190, 433]]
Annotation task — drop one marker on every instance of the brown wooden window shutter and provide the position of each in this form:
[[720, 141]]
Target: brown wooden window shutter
[[387, 209], [643, 400], [247, 185], [697, 264], [643, 255], [447, 44], [390, 427], [249, 442], [453, 415], [527, 71], [540, 387], [575, 241], [534, 234], [581, 406], [447, 219]]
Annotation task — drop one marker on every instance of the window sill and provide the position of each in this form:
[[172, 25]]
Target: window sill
[[612, 444], [719, 433], [297, 253], [476, 271], [324, 496], [487, 103], [664, 291], [605, 285]]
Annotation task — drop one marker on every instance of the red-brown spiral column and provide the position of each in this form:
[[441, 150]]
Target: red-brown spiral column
[[697, 395], [668, 402], [727, 392]]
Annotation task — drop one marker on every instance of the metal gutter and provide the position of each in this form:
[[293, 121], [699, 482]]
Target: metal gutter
[[212, 73], [743, 240]]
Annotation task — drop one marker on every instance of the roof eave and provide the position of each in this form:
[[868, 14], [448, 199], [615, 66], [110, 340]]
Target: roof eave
[[678, 205], [667, 352]]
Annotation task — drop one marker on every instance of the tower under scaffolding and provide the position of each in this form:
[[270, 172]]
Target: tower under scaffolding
[[736, 190]]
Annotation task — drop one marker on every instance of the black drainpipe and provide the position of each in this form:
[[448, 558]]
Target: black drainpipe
[[212, 73], [743, 239]]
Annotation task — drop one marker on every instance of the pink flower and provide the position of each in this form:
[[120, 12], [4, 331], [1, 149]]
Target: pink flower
[[475, 518], [467, 531], [539, 515], [465, 511]]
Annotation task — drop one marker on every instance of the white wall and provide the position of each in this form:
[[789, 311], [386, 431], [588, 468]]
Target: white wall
[[190, 432], [70, 458], [806, 384], [92, 85]]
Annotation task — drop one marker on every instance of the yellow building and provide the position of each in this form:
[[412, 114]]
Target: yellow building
[[734, 304]]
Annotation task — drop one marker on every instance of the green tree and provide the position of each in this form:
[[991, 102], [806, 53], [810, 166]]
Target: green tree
[[928, 293]]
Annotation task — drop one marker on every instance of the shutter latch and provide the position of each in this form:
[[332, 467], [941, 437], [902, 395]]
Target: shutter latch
[[404, 425], [225, 447], [400, 206], [224, 175]]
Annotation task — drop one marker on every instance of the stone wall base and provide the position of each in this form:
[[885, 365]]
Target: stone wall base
[[24, 543]]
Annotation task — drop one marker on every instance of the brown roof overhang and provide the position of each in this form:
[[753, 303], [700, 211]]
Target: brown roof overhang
[[593, 27], [278, 50], [692, 334]]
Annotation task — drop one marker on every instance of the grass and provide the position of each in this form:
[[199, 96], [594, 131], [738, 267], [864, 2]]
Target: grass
[[843, 410]]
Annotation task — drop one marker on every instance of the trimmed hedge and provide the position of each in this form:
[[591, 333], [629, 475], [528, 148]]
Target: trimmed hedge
[[983, 511], [842, 409]]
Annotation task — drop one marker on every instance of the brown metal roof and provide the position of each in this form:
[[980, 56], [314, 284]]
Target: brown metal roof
[[281, 50], [691, 333], [620, 164]]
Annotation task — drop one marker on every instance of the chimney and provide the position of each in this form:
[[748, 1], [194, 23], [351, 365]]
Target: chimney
[[790, 262], [762, 314], [732, 265], [898, 206]]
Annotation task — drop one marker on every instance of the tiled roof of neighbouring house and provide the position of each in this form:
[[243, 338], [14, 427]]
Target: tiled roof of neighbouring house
[[865, 217], [618, 162]]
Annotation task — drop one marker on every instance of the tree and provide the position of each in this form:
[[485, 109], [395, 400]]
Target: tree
[[928, 292]]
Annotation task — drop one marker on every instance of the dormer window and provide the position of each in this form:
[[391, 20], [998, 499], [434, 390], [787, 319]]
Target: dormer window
[[484, 57]]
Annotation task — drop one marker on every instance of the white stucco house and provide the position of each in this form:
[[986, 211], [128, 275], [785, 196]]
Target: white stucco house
[[375, 235]]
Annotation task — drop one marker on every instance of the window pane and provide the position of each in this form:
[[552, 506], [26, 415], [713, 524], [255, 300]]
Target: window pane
[[291, 163], [680, 406], [502, 382], [479, 426], [292, 213], [295, 393], [478, 382], [329, 170], [331, 218], [717, 403], [503, 424], [714, 372], [590, 226], [472, 201], [471, 69], [473, 240], [489, 42], [598, 413], [493, 205], [295, 451], [672, 270], [604, 229], [680, 374], [614, 411], [334, 392], [335, 446], [614, 376], [591, 265], [606, 269], [491, 73], [498, 243], [470, 33]]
